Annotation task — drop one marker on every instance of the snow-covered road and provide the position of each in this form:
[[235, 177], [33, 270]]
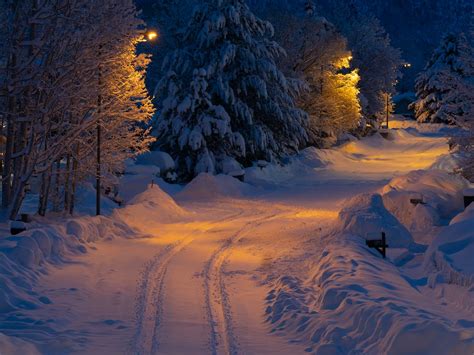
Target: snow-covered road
[[196, 277]]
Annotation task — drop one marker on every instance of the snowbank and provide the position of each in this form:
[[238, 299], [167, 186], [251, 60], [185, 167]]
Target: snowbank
[[207, 187], [149, 209], [26, 256], [439, 192], [16, 346], [447, 162], [365, 216], [449, 259], [352, 303]]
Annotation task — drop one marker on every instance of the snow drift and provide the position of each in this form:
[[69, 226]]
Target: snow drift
[[449, 258], [26, 256], [353, 302]]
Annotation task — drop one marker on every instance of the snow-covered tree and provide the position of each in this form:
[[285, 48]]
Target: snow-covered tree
[[445, 89], [223, 98], [71, 69], [318, 55], [378, 61]]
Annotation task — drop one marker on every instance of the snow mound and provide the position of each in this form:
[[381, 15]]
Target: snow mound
[[137, 178], [206, 187], [355, 303], [467, 215], [366, 216], [439, 192], [449, 258], [150, 208]]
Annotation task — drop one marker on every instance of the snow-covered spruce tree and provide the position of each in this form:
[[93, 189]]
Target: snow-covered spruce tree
[[445, 89], [223, 99], [318, 55]]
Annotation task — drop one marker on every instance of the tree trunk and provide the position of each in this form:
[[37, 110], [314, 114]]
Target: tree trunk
[[45, 189]]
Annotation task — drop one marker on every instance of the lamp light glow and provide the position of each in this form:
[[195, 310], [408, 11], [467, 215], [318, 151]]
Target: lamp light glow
[[151, 35]]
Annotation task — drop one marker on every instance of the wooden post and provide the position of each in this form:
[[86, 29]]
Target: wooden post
[[384, 245]]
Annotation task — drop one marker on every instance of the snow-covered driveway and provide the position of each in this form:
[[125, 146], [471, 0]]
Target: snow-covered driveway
[[196, 277]]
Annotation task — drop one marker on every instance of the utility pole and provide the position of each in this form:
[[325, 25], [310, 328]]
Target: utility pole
[[388, 106]]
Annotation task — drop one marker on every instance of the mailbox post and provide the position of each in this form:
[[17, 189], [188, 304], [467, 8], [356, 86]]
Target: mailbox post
[[379, 244]]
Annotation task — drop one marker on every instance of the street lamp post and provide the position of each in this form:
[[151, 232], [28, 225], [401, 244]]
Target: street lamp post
[[99, 137]]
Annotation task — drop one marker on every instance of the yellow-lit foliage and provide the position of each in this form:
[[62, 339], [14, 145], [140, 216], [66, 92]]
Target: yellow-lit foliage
[[333, 100], [318, 54]]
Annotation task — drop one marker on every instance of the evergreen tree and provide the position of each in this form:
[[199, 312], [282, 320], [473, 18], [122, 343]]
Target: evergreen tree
[[445, 89], [318, 55], [223, 98], [378, 61]]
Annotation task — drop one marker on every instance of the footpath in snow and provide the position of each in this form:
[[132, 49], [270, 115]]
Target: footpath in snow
[[276, 265]]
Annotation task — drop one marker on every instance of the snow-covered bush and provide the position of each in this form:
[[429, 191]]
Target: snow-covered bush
[[440, 193], [222, 94], [161, 160], [366, 216], [445, 89]]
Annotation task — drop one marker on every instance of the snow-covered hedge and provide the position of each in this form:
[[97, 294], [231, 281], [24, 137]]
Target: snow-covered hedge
[[160, 159]]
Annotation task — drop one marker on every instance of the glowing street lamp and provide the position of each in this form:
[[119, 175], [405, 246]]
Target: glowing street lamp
[[151, 35]]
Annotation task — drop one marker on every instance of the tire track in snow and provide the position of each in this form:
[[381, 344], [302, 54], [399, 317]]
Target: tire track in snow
[[149, 303], [218, 308]]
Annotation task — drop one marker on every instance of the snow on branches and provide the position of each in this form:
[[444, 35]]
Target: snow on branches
[[318, 55], [445, 89], [222, 97], [71, 66]]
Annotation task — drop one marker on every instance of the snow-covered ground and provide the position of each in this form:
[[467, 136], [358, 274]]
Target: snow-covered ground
[[276, 265]]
